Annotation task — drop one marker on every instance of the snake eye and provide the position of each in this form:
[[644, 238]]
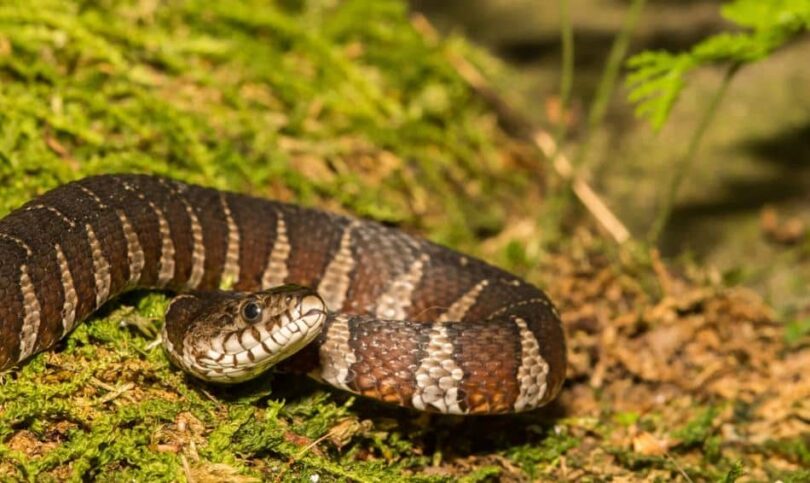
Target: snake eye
[[251, 312]]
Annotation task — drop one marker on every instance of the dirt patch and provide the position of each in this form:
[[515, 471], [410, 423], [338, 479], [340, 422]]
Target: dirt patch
[[682, 374]]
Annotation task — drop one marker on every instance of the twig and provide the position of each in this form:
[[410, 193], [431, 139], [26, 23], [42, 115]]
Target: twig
[[586, 195], [678, 467], [300, 454], [187, 469], [514, 123], [113, 392], [685, 165]]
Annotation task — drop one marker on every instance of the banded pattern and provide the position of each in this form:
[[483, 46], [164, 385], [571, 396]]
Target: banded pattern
[[68, 289], [135, 258], [275, 271], [438, 377], [411, 323]]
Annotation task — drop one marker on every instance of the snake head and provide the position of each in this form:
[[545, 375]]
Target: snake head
[[229, 337]]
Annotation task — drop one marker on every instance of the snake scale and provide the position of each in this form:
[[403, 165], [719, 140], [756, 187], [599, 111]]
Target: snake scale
[[358, 305]]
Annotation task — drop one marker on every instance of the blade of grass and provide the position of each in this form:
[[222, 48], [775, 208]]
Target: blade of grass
[[567, 74], [607, 84]]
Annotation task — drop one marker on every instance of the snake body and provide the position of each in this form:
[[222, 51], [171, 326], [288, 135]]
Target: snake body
[[409, 322]]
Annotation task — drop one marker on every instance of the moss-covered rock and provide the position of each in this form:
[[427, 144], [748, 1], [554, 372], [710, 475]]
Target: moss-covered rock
[[342, 105]]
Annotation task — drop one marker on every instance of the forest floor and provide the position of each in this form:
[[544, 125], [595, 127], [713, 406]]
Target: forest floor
[[676, 371]]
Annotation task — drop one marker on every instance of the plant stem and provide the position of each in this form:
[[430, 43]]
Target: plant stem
[[567, 75], [685, 165], [607, 83]]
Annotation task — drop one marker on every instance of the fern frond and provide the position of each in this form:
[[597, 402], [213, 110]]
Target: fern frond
[[656, 79]]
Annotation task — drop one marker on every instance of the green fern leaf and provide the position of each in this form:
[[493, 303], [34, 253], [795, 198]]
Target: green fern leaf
[[656, 79]]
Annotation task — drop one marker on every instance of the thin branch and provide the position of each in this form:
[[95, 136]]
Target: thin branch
[[586, 195]]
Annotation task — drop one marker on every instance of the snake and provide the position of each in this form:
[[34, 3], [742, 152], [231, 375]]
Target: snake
[[260, 284]]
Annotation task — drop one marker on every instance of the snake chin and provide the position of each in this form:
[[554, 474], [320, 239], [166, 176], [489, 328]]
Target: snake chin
[[230, 338]]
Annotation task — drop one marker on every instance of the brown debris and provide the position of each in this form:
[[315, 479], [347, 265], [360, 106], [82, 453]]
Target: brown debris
[[649, 445], [779, 230], [666, 346]]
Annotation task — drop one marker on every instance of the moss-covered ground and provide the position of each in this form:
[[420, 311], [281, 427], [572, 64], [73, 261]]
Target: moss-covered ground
[[343, 105]]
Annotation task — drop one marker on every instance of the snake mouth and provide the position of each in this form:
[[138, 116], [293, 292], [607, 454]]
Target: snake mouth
[[246, 334]]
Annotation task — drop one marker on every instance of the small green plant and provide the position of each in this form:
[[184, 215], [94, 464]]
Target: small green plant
[[657, 78], [734, 473], [698, 430]]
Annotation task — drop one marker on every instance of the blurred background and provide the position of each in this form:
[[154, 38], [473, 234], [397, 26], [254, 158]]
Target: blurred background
[[744, 205]]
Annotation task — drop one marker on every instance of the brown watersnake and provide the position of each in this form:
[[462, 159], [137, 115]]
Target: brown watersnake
[[358, 305]]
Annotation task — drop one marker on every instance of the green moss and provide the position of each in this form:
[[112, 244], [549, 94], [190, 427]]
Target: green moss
[[336, 104], [796, 330], [533, 458], [698, 430], [796, 450], [797, 476], [249, 96], [626, 419], [734, 473]]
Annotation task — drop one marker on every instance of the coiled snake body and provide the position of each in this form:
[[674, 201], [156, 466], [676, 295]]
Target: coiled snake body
[[389, 316]]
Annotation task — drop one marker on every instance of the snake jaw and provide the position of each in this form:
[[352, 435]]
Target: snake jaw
[[219, 345]]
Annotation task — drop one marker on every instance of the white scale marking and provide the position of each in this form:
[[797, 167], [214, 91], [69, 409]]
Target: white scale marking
[[101, 267], [55, 211], [438, 376], [230, 273], [135, 256], [533, 371], [32, 317], [166, 273], [198, 249], [394, 303], [197, 241], [275, 272], [460, 307], [92, 195], [509, 307], [336, 356], [71, 300], [334, 284], [17, 242]]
